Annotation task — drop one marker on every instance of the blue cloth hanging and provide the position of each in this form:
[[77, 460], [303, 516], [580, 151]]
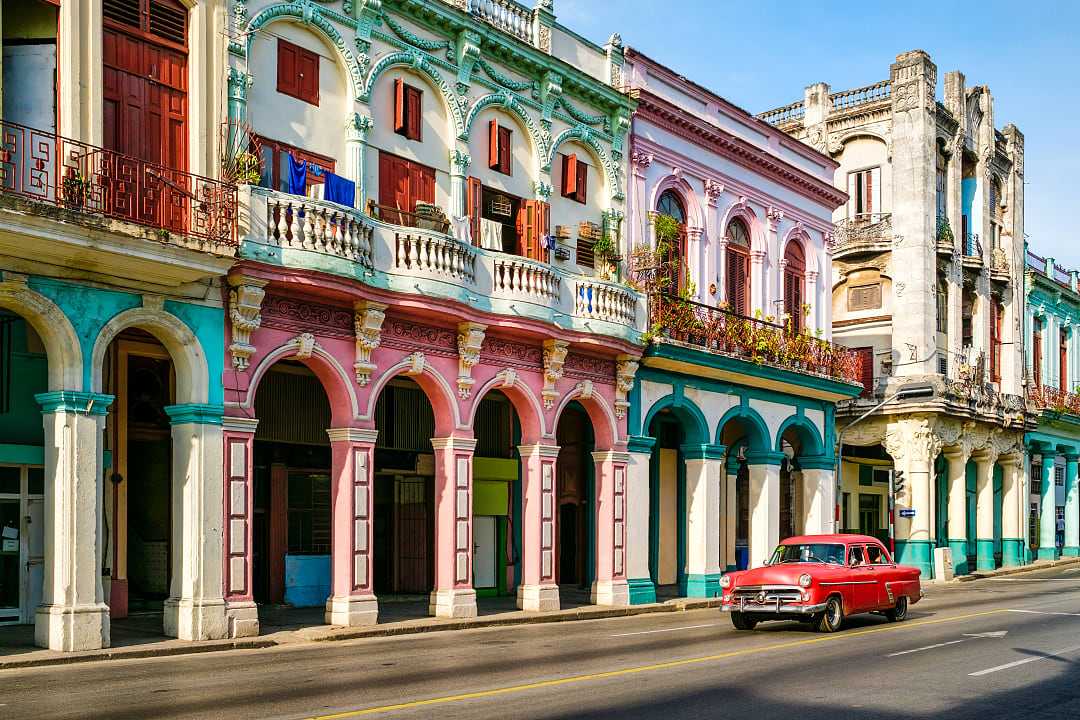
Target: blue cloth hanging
[[340, 190], [297, 176]]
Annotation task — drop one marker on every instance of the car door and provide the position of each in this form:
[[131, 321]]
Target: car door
[[884, 573], [862, 580]]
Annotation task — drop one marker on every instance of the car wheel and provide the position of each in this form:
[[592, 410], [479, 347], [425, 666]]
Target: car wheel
[[742, 621], [832, 617], [899, 612]]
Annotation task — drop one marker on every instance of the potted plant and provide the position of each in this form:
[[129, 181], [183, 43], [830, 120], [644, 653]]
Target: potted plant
[[607, 257], [74, 189]]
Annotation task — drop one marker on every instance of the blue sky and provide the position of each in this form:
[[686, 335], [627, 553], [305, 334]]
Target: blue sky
[[761, 54]]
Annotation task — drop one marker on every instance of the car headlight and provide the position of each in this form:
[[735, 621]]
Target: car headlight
[[805, 580], [725, 581]]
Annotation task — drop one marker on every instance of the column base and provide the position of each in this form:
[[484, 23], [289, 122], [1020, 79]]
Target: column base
[[917, 553], [83, 627], [1070, 551], [352, 611], [195, 620], [984, 555], [1013, 552], [959, 556], [242, 619], [457, 603], [614, 593], [1047, 553], [642, 591], [538, 598], [702, 586]]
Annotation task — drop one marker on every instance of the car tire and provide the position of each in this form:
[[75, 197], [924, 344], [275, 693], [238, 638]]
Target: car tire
[[743, 621], [899, 612], [832, 617]]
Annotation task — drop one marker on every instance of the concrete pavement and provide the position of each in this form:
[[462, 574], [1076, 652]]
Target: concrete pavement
[[949, 658]]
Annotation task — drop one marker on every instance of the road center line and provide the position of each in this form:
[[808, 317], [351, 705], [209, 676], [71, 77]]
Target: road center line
[[1042, 612], [1025, 661], [925, 647], [556, 682], [663, 630]]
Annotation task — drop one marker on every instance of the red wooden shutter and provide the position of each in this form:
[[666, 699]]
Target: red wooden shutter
[[793, 300], [399, 106], [286, 68], [308, 76], [569, 176], [504, 143], [1036, 354], [493, 145], [736, 281], [529, 237], [394, 188], [582, 174], [869, 196], [414, 113], [866, 370], [474, 191]]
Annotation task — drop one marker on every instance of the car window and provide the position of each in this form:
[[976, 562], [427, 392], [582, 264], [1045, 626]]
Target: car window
[[876, 555], [809, 552], [856, 556]]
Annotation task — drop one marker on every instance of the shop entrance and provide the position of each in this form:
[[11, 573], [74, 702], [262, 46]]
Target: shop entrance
[[22, 547]]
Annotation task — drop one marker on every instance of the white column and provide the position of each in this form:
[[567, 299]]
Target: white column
[[356, 135], [195, 609], [984, 511], [459, 171], [764, 506], [73, 614], [819, 500], [759, 282], [1013, 510], [637, 524], [721, 260], [703, 470], [958, 529], [731, 509], [79, 70], [813, 320]]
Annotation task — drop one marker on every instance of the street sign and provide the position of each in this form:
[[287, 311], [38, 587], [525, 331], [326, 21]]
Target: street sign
[[907, 512]]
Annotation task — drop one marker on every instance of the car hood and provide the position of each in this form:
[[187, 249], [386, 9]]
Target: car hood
[[783, 574]]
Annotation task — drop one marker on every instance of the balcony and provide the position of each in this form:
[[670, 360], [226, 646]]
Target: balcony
[[865, 233], [723, 332], [1044, 397], [505, 15], [112, 197], [303, 233]]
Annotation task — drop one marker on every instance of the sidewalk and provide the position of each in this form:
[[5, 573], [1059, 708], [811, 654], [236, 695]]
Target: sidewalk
[[1033, 567]]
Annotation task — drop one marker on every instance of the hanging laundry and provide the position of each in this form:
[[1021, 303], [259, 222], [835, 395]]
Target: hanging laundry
[[297, 176], [340, 190]]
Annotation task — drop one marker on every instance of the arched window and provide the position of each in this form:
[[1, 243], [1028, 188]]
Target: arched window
[[671, 205], [737, 267], [794, 282]]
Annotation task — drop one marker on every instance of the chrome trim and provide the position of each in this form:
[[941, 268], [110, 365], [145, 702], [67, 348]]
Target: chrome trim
[[850, 582], [774, 609]]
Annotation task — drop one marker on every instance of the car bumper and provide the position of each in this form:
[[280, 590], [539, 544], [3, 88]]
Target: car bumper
[[774, 608]]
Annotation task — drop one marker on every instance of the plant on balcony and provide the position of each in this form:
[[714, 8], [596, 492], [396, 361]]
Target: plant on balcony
[[944, 230], [607, 257], [74, 189], [240, 160]]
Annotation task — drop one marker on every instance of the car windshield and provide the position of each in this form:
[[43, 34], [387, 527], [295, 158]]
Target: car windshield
[[809, 552]]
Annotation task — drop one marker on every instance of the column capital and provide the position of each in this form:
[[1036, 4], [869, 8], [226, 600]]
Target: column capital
[[817, 462], [703, 451], [195, 413], [1071, 456], [239, 424], [355, 435], [71, 401], [1013, 459], [454, 443], [765, 457], [611, 456], [544, 451], [640, 444]]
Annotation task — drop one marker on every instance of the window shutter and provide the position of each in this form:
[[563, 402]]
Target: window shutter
[[421, 185], [543, 228], [793, 299], [286, 68], [493, 145], [474, 191], [529, 236], [868, 195], [569, 176], [866, 370], [1036, 356], [875, 191], [399, 106], [308, 80], [505, 135], [851, 184], [582, 175], [414, 112], [736, 273]]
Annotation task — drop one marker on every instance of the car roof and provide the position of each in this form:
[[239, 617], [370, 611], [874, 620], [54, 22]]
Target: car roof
[[846, 538]]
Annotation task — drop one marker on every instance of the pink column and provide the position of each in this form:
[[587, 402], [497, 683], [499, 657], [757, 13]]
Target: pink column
[[352, 600], [610, 587], [453, 595], [240, 609], [538, 590]]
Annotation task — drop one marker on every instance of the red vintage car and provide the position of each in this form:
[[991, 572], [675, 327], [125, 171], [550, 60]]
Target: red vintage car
[[821, 579]]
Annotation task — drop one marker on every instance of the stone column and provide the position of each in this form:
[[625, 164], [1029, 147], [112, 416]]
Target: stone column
[[984, 511], [819, 495], [357, 128], [704, 466], [639, 578], [79, 71], [721, 269], [955, 316], [728, 559], [1047, 511], [958, 530], [459, 171], [352, 499], [914, 446], [813, 320], [696, 253], [241, 613], [195, 609], [759, 290], [652, 215], [73, 614], [1072, 507], [453, 596], [610, 587], [1012, 510], [539, 590], [764, 505]]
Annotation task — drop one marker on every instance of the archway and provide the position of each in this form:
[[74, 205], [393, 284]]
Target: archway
[[667, 500], [744, 438], [671, 231], [794, 285], [575, 500], [737, 267]]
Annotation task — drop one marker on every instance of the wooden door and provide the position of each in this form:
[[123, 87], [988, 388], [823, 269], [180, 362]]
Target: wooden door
[[411, 536]]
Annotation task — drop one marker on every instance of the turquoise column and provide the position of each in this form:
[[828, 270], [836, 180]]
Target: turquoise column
[[1072, 507], [642, 533], [958, 513], [1047, 514]]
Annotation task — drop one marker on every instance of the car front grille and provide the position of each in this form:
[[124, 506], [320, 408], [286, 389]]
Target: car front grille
[[767, 595]]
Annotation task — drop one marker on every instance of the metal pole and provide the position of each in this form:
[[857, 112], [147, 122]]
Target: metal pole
[[892, 515]]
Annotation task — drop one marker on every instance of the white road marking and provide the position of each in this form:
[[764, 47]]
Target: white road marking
[[1071, 571], [1025, 661], [649, 632], [1042, 612], [1010, 579], [996, 634]]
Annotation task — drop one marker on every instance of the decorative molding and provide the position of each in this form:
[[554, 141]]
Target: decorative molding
[[470, 340], [713, 190], [415, 364], [554, 356], [588, 367], [413, 39], [419, 62], [626, 367], [368, 321], [500, 351], [305, 345], [585, 135], [507, 377], [300, 314], [585, 389], [245, 302], [505, 80], [407, 336]]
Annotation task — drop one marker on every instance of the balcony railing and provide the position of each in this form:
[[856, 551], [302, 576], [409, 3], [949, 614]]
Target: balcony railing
[[1045, 397], [784, 115], [861, 96], [721, 331], [869, 231], [505, 15], [402, 255], [48, 168]]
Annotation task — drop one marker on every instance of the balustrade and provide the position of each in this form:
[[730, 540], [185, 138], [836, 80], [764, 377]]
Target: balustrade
[[516, 277], [861, 96], [604, 301], [297, 222], [505, 15], [439, 256]]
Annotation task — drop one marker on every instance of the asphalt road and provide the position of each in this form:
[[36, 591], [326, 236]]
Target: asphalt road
[[1002, 648]]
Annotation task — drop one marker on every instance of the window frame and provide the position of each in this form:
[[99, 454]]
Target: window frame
[[325, 163], [851, 305], [408, 123], [294, 87], [574, 173], [500, 148]]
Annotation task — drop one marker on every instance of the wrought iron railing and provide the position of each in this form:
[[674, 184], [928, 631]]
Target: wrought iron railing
[[715, 329], [1045, 397], [863, 228], [49, 168]]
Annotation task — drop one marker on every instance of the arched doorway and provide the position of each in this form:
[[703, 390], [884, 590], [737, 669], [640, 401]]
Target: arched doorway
[[667, 500], [743, 441], [575, 501], [737, 267], [671, 207], [794, 285]]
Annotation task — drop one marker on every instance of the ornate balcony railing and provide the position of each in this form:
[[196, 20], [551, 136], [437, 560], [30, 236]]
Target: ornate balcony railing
[[400, 256], [720, 331], [1045, 397], [49, 168], [784, 115], [861, 96], [869, 231], [505, 15]]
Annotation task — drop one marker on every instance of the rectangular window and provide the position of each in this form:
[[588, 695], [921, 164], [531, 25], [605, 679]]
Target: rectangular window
[[866, 370], [408, 110], [864, 193], [402, 184], [738, 274], [499, 145], [1059, 476], [1063, 361], [864, 297], [1036, 352], [942, 203], [995, 340], [942, 307], [297, 72], [1033, 521], [574, 178], [793, 299], [275, 164]]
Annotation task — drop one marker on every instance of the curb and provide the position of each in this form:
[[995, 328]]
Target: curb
[[1033, 567], [126, 653]]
